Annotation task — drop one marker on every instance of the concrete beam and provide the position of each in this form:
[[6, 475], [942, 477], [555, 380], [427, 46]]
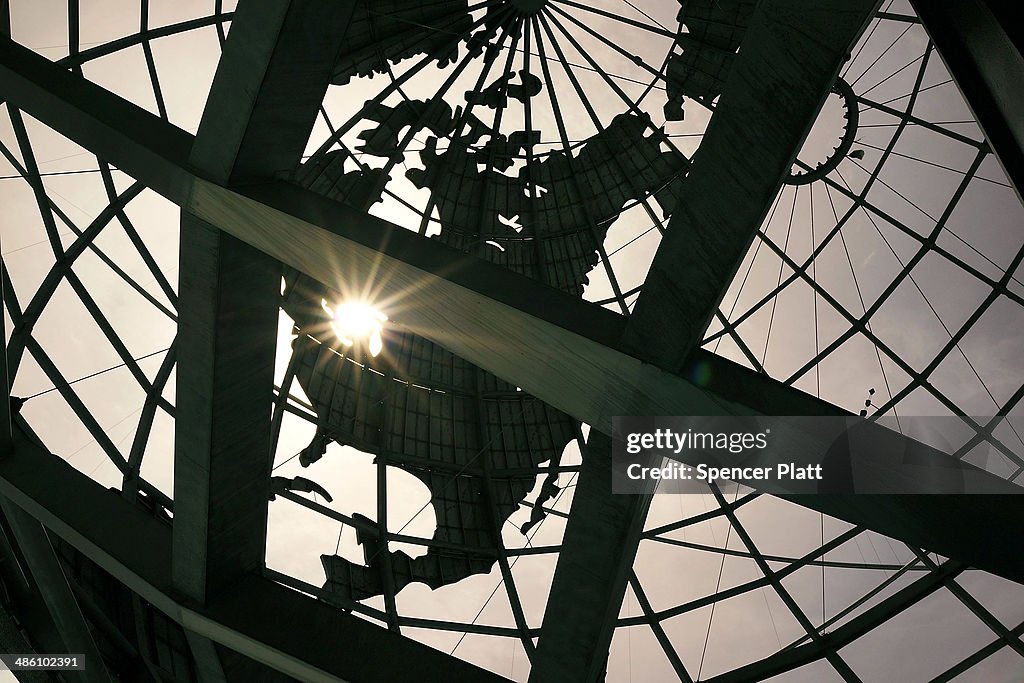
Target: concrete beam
[[489, 315], [601, 539], [281, 628], [764, 115], [269, 85], [788, 60], [980, 42]]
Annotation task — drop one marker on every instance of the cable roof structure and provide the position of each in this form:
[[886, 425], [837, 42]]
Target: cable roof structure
[[317, 316]]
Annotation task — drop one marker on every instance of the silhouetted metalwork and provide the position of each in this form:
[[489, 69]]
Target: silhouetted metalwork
[[545, 137]]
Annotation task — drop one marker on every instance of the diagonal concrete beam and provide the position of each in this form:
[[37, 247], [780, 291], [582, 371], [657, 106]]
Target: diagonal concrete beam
[[788, 60], [748, 149], [494, 318], [980, 41]]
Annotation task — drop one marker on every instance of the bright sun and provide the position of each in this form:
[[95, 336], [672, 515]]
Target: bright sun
[[354, 320]]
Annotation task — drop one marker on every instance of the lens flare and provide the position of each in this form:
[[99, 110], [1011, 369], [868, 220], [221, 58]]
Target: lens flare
[[354, 320]]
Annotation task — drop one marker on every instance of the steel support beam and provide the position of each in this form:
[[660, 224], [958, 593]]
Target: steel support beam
[[56, 592], [281, 628], [980, 42], [794, 47], [494, 318], [269, 85], [792, 658], [11, 638], [9, 632], [37, 552]]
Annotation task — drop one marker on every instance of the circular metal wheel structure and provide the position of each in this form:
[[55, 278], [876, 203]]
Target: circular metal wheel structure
[[415, 489], [851, 115]]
